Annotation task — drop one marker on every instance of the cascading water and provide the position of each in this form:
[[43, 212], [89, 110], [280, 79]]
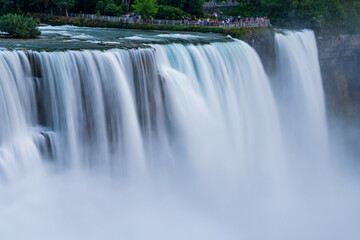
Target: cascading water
[[300, 89], [209, 143], [131, 109]]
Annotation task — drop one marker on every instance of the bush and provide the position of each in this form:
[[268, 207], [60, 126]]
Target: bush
[[170, 13], [19, 26]]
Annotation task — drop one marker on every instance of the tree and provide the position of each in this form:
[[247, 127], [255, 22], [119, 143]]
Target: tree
[[112, 8], [100, 6], [87, 6], [6, 6], [64, 4], [127, 3], [170, 13], [174, 3], [146, 8], [195, 7], [42, 4], [109, 7]]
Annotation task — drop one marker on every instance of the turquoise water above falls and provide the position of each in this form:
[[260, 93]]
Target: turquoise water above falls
[[58, 38]]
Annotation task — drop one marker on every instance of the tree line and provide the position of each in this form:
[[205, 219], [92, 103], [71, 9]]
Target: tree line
[[334, 14], [321, 14], [110, 7]]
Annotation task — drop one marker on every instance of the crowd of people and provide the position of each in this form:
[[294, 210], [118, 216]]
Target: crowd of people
[[224, 21], [215, 20]]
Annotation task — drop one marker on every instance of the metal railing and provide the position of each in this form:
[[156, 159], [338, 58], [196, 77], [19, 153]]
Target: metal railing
[[252, 23]]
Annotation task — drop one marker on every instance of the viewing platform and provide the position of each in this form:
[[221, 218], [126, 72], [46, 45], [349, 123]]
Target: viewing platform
[[245, 22]]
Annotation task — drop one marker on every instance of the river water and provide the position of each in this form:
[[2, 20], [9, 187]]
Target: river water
[[168, 136], [61, 38]]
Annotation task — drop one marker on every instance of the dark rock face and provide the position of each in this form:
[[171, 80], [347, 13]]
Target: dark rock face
[[339, 57], [265, 47], [340, 66]]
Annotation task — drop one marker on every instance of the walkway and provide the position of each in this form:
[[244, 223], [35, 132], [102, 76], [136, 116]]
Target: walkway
[[252, 23]]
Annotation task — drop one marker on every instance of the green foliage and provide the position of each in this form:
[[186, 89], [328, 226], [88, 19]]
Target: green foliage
[[146, 8], [100, 6], [170, 13], [6, 6], [124, 7], [66, 4], [173, 3], [244, 8], [195, 7], [87, 6], [338, 14], [353, 18], [112, 9], [341, 15], [19, 26], [109, 7]]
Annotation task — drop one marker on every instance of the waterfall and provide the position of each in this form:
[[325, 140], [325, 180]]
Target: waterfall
[[301, 99], [17, 110], [199, 107], [196, 141]]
